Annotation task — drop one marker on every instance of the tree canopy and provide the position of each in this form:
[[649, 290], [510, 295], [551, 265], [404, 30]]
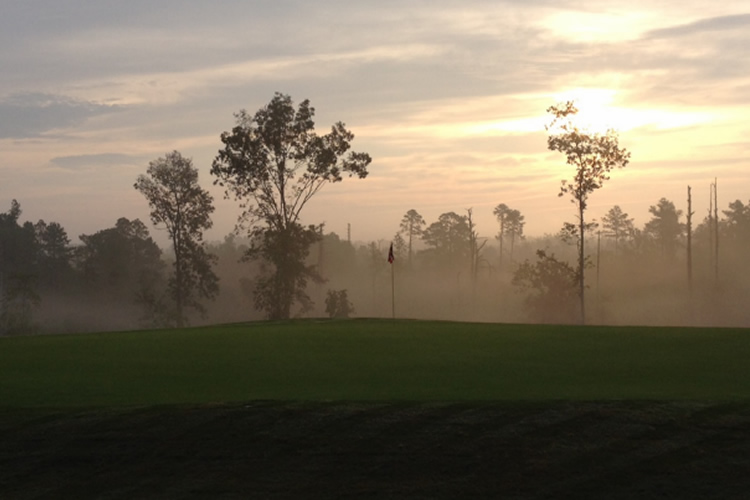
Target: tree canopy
[[179, 203], [273, 163]]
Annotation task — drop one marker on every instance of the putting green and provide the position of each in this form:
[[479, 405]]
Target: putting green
[[374, 360]]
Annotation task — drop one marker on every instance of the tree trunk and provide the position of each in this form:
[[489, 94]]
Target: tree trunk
[[581, 284], [716, 234], [690, 245], [502, 235], [178, 272]]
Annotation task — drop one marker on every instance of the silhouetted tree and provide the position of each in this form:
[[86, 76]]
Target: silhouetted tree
[[665, 228], [551, 285], [450, 238], [53, 254], [475, 247], [617, 225], [18, 272], [514, 223], [737, 223], [593, 156], [122, 262], [501, 213], [338, 305], [412, 226], [273, 163], [18, 250], [184, 208]]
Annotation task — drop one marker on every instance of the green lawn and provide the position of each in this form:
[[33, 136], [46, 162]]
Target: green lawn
[[374, 360]]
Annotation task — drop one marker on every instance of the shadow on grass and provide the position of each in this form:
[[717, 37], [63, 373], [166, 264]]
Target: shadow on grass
[[380, 450]]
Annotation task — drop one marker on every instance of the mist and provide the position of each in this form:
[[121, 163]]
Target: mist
[[640, 278]]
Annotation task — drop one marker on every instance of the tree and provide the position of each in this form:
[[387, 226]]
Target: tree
[[501, 213], [273, 163], [122, 261], [475, 248], [338, 305], [514, 223], [18, 272], [184, 208], [665, 227], [617, 225], [412, 226], [552, 285], [53, 253], [593, 156], [737, 223], [450, 238], [17, 244]]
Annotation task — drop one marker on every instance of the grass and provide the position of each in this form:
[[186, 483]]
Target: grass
[[374, 360], [377, 409]]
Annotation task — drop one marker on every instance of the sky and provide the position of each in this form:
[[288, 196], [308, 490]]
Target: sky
[[448, 97]]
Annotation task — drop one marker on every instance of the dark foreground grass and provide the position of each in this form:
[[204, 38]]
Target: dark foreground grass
[[377, 409], [374, 360], [577, 450]]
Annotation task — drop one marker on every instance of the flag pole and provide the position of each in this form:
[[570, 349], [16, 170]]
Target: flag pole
[[393, 282]]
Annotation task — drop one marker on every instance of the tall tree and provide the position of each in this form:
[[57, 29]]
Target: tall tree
[[514, 223], [273, 163], [617, 225], [475, 247], [450, 238], [179, 203], [665, 227], [18, 272], [689, 228], [53, 253], [593, 156], [412, 225], [501, 213]]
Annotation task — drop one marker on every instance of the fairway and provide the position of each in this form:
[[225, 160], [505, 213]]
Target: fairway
[[374, 360], [377, 409]]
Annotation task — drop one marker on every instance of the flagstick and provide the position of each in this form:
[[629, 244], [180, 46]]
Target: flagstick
[[393, 291], [393, 281]]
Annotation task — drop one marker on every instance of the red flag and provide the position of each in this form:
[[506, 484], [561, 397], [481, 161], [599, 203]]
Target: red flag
[[390, 255]]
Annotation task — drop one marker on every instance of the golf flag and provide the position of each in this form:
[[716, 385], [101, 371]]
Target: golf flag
[[390, 255]]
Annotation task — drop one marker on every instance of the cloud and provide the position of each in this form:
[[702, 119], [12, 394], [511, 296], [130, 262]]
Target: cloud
[[97, 160], [33, 114], [713, 24]]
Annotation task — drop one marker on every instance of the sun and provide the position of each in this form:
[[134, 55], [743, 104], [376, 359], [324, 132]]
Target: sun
[[596, 112], [601, 110]]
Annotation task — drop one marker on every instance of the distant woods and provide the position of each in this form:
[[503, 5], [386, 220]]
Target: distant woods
[[668, 270]]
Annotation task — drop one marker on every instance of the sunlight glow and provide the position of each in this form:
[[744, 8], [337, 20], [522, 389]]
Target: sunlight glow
[[597, 113], [579, 26]]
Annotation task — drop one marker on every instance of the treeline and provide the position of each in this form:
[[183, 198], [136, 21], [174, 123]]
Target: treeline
[[447, 269], [117, 277]]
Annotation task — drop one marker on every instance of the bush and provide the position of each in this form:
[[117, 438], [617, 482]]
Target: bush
[[338, 305]]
